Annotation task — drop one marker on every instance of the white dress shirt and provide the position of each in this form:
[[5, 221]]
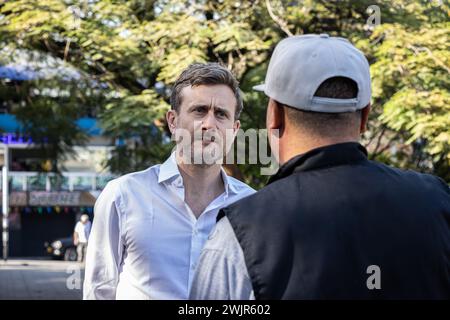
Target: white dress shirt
[[145, 240], [222, 273]]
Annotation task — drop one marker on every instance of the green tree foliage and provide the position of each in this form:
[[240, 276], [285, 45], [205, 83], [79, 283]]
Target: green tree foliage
[[128, 54], [411, 83]]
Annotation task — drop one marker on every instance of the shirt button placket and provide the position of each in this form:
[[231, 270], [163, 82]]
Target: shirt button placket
[[194, 244]]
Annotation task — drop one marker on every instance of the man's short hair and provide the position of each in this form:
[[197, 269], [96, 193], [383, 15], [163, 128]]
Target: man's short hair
[[322, 123], [206, 74]]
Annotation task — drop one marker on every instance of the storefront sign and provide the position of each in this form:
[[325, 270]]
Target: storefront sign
[[42, 198], [16, 199]]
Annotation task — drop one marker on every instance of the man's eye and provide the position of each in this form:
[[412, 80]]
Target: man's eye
[[221, 114], [199, 110]]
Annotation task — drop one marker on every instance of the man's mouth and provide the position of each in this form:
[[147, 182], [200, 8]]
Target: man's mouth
[[206, 142], [208, 139]]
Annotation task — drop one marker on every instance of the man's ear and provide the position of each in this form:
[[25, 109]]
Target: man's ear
[[275, 116], [171, 116], [364, 118], [275, 119], [236, 126]]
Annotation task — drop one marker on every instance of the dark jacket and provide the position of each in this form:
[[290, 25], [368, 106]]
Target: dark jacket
[[330, 214]]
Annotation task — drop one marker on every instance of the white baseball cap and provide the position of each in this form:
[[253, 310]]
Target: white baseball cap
[[300, 64]]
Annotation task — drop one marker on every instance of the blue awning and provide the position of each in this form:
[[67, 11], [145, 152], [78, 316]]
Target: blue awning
[[9, 124], [90, 125], [19, 74]]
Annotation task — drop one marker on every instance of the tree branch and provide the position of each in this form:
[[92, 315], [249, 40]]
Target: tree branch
[[280, 22], [432, 56]]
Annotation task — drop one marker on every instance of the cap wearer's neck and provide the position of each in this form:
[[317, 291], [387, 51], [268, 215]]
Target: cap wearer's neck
[[295, 141]]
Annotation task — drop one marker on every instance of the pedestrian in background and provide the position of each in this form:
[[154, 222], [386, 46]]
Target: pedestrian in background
[[81, 236]]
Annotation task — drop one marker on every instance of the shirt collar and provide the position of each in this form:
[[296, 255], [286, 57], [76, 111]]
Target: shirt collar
[[328, 156], [169, 169], [229, 185]]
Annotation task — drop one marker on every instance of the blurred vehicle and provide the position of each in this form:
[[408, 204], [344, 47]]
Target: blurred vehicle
[[62, 249]]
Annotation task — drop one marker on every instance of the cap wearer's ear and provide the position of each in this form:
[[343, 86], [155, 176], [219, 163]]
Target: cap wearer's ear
[[364, 118], [275, 115]]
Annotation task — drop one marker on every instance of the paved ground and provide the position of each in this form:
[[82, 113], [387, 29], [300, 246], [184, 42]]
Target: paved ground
[[34, 279]]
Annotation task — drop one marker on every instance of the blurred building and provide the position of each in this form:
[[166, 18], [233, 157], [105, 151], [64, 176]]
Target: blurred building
[[46, 206]]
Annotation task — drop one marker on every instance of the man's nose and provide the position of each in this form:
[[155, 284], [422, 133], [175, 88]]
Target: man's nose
[[209, 121]]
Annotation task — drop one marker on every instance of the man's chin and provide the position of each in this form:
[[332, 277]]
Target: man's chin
[[206, 143], [208, 155]]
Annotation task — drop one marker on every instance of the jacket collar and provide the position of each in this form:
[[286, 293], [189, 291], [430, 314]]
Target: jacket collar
[[328, 156]]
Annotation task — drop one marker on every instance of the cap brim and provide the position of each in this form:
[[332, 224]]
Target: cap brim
[[259, 87]]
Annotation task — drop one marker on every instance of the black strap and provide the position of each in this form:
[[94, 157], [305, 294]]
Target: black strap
[[220, 215]]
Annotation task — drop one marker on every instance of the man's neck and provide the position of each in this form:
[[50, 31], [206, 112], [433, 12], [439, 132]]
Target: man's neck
[[292, 148], [202, 184]]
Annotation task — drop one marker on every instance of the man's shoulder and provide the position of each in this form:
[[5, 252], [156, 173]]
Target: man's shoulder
[[79, 227], [410, 178], [120, 189], [133, 179]]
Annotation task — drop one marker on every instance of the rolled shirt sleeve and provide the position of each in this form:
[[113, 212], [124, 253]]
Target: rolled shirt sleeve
[[221, 271], [105, 247]]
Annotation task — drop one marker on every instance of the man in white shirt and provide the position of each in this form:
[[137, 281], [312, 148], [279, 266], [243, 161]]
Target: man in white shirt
[[150, 226], [81, 236]]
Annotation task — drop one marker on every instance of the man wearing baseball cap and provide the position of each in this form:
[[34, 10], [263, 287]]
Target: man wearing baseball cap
[[330, 224]]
